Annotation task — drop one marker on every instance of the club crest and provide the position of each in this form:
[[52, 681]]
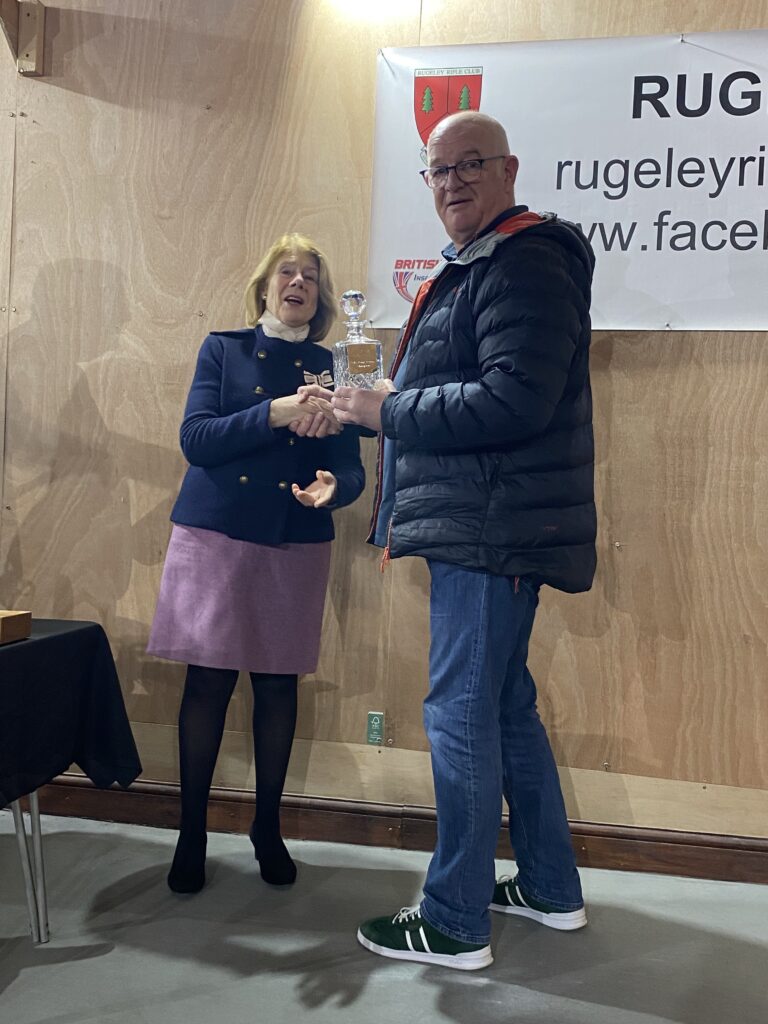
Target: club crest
[[438, 92]]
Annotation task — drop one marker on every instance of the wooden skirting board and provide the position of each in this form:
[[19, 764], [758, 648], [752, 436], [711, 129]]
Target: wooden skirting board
[[620, 848]]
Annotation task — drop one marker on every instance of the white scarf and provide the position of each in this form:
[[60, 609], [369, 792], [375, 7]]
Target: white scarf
[[274, 328]]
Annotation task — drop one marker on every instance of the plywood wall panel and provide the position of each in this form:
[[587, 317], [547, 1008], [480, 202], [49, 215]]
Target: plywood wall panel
[[678, 611], [453, 22], [166, 148]]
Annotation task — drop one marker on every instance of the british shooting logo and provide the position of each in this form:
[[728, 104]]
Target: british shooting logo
[[438, 92], [408, 275]]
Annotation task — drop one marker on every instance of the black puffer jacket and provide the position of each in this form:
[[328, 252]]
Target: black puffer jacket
[[495, 454]]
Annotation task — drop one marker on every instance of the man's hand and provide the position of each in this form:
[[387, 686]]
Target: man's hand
[[315, 424], [358, 405], [307, 391], [319, 420], [320, 492], [293, 411]]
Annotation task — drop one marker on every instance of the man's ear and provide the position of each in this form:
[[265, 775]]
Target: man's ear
[[511, 166]]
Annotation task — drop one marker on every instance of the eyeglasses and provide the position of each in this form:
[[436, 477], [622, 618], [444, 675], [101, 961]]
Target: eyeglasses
[[467, 171]]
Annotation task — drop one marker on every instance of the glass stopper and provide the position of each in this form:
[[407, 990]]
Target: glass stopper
[[353, 304]]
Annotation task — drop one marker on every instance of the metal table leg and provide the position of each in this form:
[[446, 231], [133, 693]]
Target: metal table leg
[[26, 867], [37, 857]]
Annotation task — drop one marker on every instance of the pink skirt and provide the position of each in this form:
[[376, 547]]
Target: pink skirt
[[228, 603]]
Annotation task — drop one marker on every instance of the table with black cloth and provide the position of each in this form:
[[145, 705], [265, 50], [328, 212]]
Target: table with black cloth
[[60, 704]]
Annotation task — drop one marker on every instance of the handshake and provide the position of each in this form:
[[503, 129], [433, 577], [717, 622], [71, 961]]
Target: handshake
[[316, 412]]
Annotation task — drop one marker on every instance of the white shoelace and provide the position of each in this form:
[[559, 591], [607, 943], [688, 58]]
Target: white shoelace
[[407, 914]]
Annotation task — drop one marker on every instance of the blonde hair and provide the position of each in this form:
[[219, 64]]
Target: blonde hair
[[293, 245]]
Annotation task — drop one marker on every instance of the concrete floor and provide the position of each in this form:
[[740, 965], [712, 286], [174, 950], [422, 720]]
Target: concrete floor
[[125, 950]]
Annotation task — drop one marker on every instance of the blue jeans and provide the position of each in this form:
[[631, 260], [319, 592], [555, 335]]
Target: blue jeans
[[486, 736]]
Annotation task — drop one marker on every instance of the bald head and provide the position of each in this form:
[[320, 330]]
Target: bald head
[[472, 121], [466, 208]]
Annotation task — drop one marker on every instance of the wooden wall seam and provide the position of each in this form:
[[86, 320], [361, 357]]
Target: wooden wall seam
[[7, 224]]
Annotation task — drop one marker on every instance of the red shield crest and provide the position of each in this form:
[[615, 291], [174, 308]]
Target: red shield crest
[[438, 92]]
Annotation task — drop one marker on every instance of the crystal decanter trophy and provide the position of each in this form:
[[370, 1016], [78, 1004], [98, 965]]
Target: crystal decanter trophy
[[357, 361]]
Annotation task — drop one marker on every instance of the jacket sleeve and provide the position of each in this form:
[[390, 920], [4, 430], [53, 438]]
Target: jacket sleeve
[[528, 316], [208, 438], [343, 454]]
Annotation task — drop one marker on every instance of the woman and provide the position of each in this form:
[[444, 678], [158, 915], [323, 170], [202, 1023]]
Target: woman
[[247, 566]]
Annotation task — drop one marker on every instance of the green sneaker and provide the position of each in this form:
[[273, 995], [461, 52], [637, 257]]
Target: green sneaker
[[407, 936], [508, 899]]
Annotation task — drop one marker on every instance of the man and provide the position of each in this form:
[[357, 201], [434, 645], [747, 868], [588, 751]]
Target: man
[[491, 425]]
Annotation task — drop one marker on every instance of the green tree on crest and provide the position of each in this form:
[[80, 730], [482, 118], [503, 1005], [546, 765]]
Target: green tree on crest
[[464, 101], [427, 104]]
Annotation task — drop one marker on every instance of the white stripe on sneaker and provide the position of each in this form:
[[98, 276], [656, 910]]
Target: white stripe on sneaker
[[517, 905], [509, 892], [424, 940], [473, 961], [520, 896], [409, 942]]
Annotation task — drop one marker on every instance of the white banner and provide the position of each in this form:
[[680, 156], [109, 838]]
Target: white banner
[[656, 146]]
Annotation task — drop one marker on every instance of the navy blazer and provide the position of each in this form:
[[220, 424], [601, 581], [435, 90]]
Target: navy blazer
[[241, 469]]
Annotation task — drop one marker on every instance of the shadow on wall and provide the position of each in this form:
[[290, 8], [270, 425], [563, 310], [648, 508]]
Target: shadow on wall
[[87, 496]]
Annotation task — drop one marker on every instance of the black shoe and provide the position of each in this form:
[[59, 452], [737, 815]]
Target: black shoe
[[187, 872], [407, 936], [275, 862], [508, 898]]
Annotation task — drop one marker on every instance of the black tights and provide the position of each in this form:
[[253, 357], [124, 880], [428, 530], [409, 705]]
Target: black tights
[[207, 693]]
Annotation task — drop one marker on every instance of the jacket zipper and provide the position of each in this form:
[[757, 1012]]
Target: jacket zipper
[[386, 558], [405, 338]]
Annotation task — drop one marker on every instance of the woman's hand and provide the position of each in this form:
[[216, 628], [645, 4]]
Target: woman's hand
[[303, 415], [320, 492], [322, 420], [315, 424], [284, 410], [307, 391]]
